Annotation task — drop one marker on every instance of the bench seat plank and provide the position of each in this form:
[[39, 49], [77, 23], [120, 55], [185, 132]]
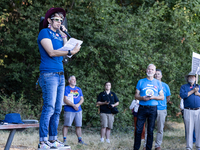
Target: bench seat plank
[[18, 126]]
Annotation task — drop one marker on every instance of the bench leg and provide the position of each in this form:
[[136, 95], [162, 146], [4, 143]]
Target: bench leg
[[9, 140]]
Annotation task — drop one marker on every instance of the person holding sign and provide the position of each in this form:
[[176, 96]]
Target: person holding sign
[[52, 80], [190, 94], [72, 110], [148, 91]]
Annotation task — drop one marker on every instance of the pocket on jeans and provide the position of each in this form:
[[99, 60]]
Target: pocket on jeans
[[49, 74]]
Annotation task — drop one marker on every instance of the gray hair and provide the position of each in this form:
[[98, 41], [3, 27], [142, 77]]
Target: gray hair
[[71, 77], [57, 14], [151, 65]]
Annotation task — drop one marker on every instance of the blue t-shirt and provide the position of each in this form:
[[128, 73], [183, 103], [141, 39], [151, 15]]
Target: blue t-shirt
[[147, 88], [77, 94], [50, 64], [162, 105]]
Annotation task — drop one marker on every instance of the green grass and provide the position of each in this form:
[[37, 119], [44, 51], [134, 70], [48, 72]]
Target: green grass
[[123, 139]]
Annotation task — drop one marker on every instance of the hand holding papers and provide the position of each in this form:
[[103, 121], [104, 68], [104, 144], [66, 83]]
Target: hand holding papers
[[70, 45]]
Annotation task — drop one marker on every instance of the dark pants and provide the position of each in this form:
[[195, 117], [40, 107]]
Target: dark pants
[[148, 113]]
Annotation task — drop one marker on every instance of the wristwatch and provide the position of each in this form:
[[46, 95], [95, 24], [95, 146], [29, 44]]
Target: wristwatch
[[69, 53]]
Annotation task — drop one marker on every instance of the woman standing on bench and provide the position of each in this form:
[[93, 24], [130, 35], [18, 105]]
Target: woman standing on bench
[[52, 80]]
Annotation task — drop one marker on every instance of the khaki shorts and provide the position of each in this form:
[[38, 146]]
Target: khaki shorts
[[107, 120]]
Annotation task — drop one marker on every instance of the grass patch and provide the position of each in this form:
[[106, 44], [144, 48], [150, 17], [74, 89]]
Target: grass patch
[[123, 139]]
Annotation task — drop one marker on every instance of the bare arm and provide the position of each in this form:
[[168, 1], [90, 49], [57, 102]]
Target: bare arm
[[47, 45], [64, 36], [116, 104], [191, 92], [159, 97], [138, 97], [102, 103], [64, 40], [80, 102], [168, 99], [70, 103]]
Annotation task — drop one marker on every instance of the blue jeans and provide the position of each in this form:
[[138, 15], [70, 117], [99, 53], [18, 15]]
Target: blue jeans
[[52, 85], [148, 113]]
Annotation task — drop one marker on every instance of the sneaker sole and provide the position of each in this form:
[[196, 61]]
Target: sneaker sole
[[65, 148], [48, 149]]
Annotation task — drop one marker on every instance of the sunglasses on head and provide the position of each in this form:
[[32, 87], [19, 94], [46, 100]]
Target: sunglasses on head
[[57, 19]]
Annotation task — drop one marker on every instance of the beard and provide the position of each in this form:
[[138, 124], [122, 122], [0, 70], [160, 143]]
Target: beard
[[73, 84], [191, 81], [150, 75]]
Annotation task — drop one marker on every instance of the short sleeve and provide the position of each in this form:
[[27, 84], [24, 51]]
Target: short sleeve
[[43, 34], [159, 86], [116, 98], [66, 91], [138, 85], [80, 92], [168, 93], [99, 97]]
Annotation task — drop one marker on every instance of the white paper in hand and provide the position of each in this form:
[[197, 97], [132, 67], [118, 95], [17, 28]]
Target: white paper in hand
[[70, 97], [72, 43]]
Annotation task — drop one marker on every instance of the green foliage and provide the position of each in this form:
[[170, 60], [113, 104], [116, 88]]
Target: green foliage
[[117, 47], [21, 106]]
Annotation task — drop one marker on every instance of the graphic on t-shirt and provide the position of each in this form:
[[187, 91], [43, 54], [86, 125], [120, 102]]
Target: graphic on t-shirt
[[55, 36], [149, 92], [75, 93]]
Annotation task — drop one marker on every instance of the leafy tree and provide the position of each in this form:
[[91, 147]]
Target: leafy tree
[[117, 47]]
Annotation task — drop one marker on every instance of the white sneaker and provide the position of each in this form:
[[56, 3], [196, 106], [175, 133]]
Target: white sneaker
[[107, 140], [46, 146], [102, 140]]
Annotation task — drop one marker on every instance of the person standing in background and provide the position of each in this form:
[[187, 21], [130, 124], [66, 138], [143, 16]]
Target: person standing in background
[[73, 110], [134, 107], [182, 112], [190, 94], [161, 110], [148, 92], [106, 100]]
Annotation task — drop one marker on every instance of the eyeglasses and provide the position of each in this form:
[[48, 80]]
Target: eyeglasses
[[57, 19]]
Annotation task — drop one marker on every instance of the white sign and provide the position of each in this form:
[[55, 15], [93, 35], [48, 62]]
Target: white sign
[[70, 97], [195, 63]]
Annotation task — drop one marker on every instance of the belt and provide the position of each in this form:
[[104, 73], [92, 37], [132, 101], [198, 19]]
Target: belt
[[192, 108], [147, 106], [60, 73]]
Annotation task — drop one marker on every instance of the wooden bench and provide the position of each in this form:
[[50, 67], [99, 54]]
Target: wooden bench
[[17, 127]]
